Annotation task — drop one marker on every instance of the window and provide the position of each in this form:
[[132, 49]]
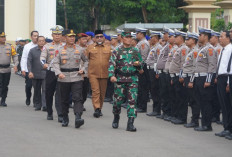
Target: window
[[1, 15]]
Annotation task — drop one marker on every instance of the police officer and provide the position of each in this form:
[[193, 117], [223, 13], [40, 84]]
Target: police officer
[[48, 54], [214, 40], [205, 67], [143, 89], [151, 65], [162, 59], [124, 65], [175, 70], [168, 110], [66, 65], [7, 52], [188, 75]]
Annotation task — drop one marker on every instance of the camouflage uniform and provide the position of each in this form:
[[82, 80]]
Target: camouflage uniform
[[121, 66]]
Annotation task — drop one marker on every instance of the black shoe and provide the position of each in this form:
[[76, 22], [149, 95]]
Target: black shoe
[[3, 102], [154, 113], [139, 110], [214, 119], [107, 100], [100, 113], [60, 119], [65, 121], [168, 118], [161, 116], [37, 108], [203, 128], [223, 133], [178, 122], [96, 114], [229, 137], [49, 117], [115, 121], [28, 101], [130, 125], [78, 121], [84, 109], [191, 125], [44, 108]]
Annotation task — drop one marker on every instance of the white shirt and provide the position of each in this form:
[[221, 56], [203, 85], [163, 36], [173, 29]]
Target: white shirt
[[26, 50], [224, 60]]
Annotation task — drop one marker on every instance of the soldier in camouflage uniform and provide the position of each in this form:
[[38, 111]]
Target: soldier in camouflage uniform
[[214, 40], [124, 66], [7, 52], [206, 65], [188, 75]]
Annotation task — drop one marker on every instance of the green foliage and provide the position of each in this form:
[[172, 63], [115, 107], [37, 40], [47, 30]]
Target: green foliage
[[83, 15]]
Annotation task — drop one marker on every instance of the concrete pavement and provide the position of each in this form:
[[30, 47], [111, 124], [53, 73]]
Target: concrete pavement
[[26, 133]]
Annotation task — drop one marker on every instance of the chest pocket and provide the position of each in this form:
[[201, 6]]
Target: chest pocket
[[64, 58], [76, 56], [8, 51]]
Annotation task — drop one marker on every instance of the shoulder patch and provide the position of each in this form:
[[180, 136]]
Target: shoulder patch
[[143, 46], [183, 51], [195, 54], [210, 51]]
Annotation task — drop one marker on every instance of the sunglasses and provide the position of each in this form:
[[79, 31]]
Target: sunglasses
[[100, 36]]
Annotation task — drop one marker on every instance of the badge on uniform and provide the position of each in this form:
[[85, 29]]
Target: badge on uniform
[[170, 46], [195, 54], [143, 46], [57, 52], [77, 61], [77, 51], [183, 52], [158, 51], [200, 55], [218, 50], [64, 61], [210, 52], [52, 56]]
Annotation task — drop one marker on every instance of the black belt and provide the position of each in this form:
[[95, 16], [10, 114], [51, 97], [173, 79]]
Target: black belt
[[126, 74], [69, 70], [4, 65]]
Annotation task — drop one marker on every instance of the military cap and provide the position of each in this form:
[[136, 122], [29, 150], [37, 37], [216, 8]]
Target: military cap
[[98, 32], [192, 35], [142, 30], [171, 32], [48, 40], [2, 34], [70, 32], [18, 38], [80, 35], [57, 29], [204, 30], [180, 33], [113, 36], [213, 33], [154, 33], [90, 34], [165, 29], [119, 31], [126, 34]]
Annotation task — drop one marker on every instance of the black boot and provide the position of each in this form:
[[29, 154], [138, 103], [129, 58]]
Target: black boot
[[60, 118], [65, 121], [130, 125], [116, 121], [78, 121], [3, 102]]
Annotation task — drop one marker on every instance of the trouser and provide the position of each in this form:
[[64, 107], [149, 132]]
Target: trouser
[[76, 89], [19, 67], [214, 100], [109, 89], [181, 104], [163, 93], [119, 96], [85, 89], [171, 96], [154, 90], [51, 88], [143, 89], [39, 96], [192, 101], [203, 98], [98, 86], [4, 82], [28, 87], [225, 100]]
